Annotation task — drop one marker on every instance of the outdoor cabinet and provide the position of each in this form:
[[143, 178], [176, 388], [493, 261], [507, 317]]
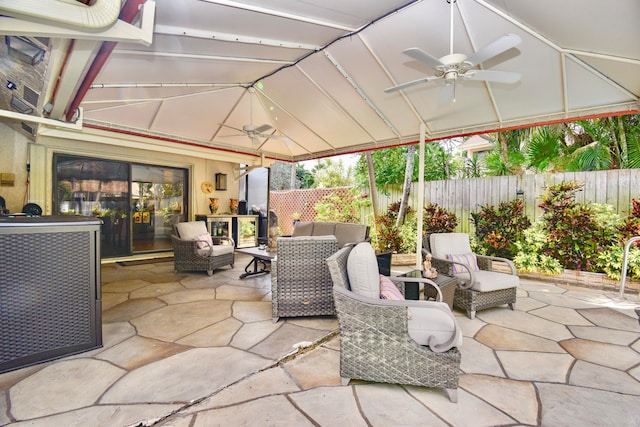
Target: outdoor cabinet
[[242, 228], [50, 296]]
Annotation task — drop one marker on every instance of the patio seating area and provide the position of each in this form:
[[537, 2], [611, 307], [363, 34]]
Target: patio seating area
[[190, 349]]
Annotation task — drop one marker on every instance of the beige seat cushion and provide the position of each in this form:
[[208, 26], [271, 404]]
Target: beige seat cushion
[[222, 249], [350, 233], [302, 228], [426, 322], [190, 230], [362, 268], [491, 280], [443, 244], [324, 229]]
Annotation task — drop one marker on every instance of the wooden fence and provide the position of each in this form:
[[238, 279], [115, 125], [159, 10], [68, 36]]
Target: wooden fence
[[614, 187], [463, 196]]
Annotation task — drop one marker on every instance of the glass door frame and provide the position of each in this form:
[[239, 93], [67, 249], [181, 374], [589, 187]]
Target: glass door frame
[[177, 202]]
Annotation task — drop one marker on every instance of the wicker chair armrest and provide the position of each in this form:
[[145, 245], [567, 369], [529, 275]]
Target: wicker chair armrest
[[445, 266], [499, 259], [389, 310], [202, 254], [229, 240]]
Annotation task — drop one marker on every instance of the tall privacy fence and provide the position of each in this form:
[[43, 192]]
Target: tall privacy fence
[[463, 196]]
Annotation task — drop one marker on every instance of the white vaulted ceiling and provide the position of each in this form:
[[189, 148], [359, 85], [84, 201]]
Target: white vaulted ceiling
[[317, 71]]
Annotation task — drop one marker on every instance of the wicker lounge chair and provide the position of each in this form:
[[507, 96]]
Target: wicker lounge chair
[[300, 279], [376, 340], [193, 248], [478, 286]]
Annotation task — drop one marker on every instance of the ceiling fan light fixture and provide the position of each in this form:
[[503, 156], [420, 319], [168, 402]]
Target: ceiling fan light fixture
[[450, 77]]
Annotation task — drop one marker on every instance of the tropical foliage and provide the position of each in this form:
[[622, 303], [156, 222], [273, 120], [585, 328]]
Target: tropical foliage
[[498, 229], [389, 165], [389, 237], [437, 219], [585, 145], [578, 237], [341, 207]]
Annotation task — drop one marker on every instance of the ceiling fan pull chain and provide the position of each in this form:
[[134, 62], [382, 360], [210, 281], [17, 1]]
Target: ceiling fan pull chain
[[454, 91]]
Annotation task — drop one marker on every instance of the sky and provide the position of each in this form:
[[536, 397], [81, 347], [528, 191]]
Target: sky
[[347, 160]]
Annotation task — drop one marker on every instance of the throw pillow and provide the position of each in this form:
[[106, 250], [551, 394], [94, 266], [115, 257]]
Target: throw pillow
[[362, 269], [468, 259], [202, 241], [389, 290]]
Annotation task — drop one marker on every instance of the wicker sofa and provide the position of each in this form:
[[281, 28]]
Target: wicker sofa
[[344, 232]]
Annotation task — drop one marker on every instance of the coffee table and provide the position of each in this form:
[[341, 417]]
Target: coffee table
[[260, 256], [447, 286]]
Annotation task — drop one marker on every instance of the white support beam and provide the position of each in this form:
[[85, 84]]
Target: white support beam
[[203, 57], [280, 14], [119, 32], [420, 209], [77, 125], [80, 58], [236, 38]]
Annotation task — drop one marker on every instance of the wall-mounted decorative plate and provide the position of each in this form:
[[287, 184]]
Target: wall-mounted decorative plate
[[206, 187]]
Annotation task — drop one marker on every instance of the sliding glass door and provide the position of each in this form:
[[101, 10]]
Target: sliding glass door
[[138, 204], [157, 202]]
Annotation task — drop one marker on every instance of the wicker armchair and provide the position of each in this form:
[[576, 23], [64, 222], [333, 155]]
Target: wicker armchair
[[193, 249], [300, 279], [478, 288], [376, 344]]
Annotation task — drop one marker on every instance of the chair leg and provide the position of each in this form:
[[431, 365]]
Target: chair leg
[[511, 306], [345, 381], [471, 314], [453, 394], [209, 272], [275, 319]]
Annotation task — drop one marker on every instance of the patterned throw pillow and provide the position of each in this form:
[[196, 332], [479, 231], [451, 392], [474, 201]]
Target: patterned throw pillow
[[388, 289], [468, 259], [203, 239]]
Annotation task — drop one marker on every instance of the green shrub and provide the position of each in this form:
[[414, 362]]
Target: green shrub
[[498, 229], [437, 219], [573, 236], [611, 258], [408, 234], [530, 257], [338, 207], [610, 261], [388, 237], [630, 227]]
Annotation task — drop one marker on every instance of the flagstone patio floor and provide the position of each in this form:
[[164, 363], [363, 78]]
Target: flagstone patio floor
[[191, 350]]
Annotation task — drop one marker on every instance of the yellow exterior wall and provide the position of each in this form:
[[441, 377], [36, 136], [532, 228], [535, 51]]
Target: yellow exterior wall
[[203, 163]]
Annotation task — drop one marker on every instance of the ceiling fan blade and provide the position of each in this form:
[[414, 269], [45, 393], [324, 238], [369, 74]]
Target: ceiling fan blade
[[409, 84], [262, 128], [233, 136], [270, 136], [494, 48], [493, 76], [255, 141], [447, 93], [422, 56]]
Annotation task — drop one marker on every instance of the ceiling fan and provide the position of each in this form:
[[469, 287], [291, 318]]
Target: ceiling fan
[[457, 65], [252, 131]]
